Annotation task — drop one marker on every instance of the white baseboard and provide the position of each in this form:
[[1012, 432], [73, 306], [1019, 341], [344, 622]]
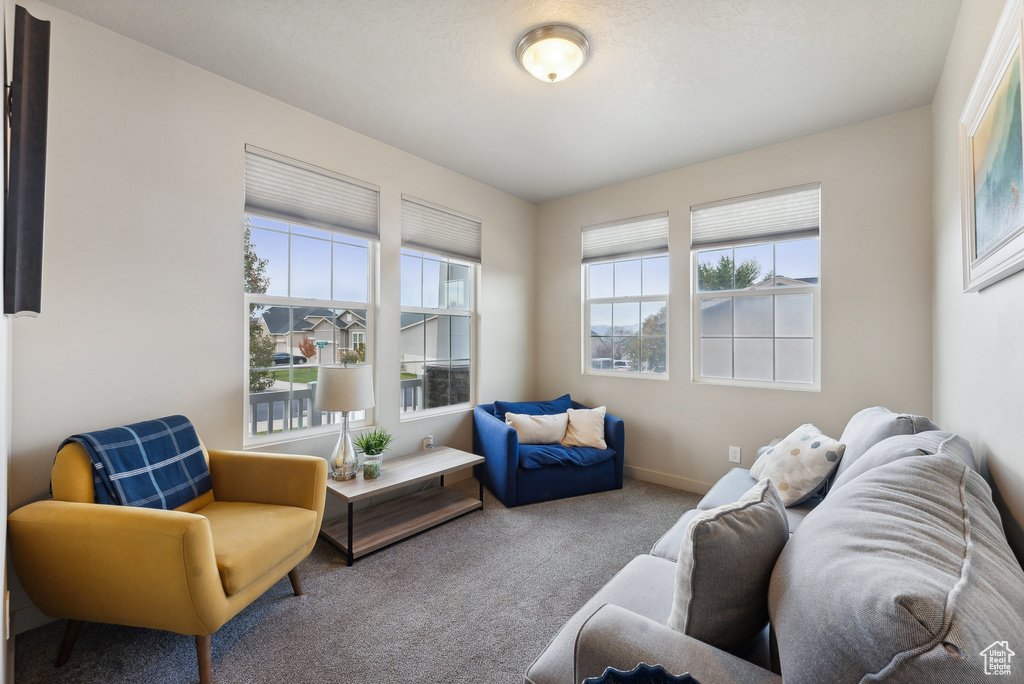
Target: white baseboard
[[666, 479]]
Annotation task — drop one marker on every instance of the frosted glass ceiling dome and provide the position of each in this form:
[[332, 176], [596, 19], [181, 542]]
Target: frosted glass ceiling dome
[[554, 52]]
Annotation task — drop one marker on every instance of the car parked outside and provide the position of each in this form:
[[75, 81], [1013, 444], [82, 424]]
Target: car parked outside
[[283, 358]]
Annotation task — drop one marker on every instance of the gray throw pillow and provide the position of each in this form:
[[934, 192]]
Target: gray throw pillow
[[870, 426], [903, 446], [724, 567], [903, 574]]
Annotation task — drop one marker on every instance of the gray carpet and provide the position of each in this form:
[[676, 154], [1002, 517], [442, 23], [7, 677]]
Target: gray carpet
[[474, 600]]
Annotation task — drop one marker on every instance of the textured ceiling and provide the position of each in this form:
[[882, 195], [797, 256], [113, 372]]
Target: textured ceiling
[[669, 82]]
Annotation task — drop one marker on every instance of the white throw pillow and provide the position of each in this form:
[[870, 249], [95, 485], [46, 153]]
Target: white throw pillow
[[586, 428], [799, 465], [538, 429]]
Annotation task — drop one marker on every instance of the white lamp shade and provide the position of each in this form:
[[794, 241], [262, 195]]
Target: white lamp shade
[[344, 388]]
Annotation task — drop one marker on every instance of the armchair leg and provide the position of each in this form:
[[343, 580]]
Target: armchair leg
[[70, 636], [204, 657], [293, 575]]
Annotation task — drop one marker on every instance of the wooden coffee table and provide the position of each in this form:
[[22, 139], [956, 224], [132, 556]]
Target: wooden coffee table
[[368, 529]]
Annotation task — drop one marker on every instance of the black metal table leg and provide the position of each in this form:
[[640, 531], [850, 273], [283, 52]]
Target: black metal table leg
[[350, 549], [442, 480]]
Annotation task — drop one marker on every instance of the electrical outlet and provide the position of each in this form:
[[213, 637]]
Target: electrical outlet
[[428, 442], [734, 454]]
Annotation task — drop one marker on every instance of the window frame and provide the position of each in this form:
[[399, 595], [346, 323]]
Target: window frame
[[469, 313], [332, 425], [697, 297], [585, 366]]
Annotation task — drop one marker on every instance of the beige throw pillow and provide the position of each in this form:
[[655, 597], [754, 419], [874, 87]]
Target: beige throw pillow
[[799, 465], [586, 428], [538, 429]]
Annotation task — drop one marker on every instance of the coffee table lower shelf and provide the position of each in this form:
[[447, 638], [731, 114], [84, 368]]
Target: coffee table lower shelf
[[378, 526]]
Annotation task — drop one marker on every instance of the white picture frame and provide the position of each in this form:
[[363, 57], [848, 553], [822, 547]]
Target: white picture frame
[[992, 160]]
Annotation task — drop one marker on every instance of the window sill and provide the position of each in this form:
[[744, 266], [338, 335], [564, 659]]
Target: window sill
[[434, 412], [755, 384], [291, 436], [627, 374]]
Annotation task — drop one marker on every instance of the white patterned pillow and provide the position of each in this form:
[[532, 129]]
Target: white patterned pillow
[[799, 465]]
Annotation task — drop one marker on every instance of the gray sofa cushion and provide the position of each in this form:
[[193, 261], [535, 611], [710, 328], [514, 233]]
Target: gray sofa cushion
[[644, 586], [870, 426], [903, 446], [724, 567], [727, 490], [904, 574], [668, 546]]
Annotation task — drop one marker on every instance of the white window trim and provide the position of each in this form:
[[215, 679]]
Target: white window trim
[[280, 300], [585, 368], [695, 300]]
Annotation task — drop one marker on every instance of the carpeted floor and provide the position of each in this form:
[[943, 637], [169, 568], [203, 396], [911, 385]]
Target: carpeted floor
[[472, 601]]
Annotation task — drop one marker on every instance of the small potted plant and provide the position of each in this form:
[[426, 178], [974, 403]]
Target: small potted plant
[[373, 444]]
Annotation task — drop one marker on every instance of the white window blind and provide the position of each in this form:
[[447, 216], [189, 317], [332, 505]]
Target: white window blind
[[630, 237], [290, 190], [438, 230], [776, 215]]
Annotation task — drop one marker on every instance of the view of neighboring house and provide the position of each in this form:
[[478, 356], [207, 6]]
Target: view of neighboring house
[[419, 341], [338, 330]]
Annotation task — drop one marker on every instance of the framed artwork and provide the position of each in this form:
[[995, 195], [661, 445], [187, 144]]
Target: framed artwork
[[992, 161]]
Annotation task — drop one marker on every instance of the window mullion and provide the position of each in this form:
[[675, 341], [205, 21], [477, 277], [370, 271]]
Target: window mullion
[[626, 300], [431, 311]]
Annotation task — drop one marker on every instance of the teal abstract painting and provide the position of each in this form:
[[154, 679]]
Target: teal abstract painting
[[999, 164]]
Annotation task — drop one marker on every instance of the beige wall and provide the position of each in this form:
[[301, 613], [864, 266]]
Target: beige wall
[[876, 288], [5, 433], [979, 337], [143, 312]]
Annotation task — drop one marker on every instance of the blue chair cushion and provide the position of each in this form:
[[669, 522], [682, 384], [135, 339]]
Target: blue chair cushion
[[533, 408], [532, 456]]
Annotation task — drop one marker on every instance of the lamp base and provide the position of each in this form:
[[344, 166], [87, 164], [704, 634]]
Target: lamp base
[[344, 462]]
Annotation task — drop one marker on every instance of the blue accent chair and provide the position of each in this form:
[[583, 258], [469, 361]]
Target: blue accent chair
[[514, 485]]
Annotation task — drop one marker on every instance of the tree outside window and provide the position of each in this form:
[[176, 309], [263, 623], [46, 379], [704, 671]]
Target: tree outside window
[[627, 312]]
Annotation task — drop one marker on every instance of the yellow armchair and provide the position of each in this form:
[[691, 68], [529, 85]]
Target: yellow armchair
[[189, 570]]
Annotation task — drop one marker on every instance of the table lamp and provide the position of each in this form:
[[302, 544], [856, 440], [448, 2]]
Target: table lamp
[[345, 389]]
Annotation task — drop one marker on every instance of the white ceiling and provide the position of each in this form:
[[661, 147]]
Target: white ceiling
[[669, 82]]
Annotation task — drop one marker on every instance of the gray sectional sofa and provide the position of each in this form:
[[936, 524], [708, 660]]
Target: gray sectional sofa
[[899, 573]]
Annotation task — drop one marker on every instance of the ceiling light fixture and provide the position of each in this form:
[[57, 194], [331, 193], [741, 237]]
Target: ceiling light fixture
[[553, 52]]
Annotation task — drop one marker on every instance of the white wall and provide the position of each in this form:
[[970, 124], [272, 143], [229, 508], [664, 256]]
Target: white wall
[[143, 310], [979, 362], [876, 287]]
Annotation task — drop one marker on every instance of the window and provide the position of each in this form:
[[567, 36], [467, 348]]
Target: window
[[626, 284], [309, 242], [756, 304], [440, 255]]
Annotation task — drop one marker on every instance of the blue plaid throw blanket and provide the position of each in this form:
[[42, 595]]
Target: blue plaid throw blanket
[[153, 464]]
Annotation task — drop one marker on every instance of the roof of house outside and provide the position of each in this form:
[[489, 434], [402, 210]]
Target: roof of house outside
[[276, 318]]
